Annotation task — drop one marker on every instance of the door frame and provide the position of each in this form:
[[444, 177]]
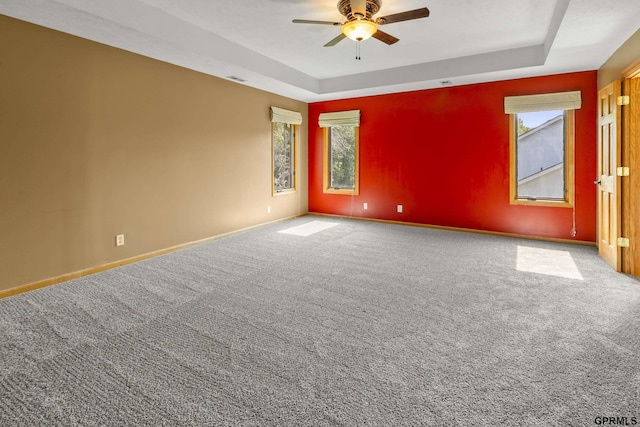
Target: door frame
[[630, 208]]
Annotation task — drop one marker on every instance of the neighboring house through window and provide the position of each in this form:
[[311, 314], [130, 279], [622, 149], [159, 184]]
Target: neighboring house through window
[[541, 155]]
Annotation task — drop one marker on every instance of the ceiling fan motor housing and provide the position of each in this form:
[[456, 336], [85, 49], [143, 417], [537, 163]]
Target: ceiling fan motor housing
[[373, 7]]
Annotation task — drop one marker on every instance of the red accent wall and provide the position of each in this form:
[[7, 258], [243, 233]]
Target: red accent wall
[[444, 155]]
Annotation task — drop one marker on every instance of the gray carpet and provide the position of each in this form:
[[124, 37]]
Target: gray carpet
[[359, 324]]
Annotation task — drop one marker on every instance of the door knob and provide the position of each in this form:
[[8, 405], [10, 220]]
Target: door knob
[[598, 182]]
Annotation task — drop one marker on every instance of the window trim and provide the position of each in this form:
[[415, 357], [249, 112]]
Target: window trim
[[294, 162], [326, 176], [569, 165]]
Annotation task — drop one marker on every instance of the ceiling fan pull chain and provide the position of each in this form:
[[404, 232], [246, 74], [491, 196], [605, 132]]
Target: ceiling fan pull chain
[[358, 50]]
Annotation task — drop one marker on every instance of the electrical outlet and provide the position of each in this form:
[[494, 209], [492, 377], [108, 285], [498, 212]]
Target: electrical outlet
[[268, 209], [399, 208], [120, 240], [366, 206]]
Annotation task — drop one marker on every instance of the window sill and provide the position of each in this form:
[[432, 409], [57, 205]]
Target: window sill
[[345, 191], [548, 203], [283, 192]]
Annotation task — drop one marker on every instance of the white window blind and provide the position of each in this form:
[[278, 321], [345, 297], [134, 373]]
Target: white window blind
[[280, 115], [341, 118], [543, 102]]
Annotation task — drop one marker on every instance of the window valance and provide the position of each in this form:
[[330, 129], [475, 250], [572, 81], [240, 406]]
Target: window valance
[[543, 102], [280, 115], [341, 118]]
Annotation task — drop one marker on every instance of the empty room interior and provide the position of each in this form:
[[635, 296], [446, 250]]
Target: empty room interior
[[303, 212]]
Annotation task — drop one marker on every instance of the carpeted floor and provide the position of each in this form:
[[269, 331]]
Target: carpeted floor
[[334, 322]]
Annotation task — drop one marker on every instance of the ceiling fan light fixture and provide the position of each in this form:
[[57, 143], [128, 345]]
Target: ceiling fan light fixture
[[359, 29]]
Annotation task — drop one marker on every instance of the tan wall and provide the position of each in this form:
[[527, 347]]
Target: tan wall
[[96, 141], [625, 56]]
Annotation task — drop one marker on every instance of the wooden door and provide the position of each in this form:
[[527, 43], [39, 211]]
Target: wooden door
[[608, 197], [631, 183]]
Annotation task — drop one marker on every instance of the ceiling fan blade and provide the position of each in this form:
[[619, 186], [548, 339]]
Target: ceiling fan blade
[[359, 7], [306, 21], [335, 41], [403, 16], [385, 38]]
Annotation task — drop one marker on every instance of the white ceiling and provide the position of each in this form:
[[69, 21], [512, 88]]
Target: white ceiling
[[463, 41]]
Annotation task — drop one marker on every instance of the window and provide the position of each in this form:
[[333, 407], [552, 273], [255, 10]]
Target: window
[[284, 132], [284, 157], [542, 148], [341, 159], [542, 144], [341, 152]]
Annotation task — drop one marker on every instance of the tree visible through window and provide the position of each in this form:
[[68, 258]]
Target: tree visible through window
[[343, 155], [341, 159], [283, 157]]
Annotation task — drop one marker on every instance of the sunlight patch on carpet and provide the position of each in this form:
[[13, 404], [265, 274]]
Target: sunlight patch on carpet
[[547, 261], [309, 228]]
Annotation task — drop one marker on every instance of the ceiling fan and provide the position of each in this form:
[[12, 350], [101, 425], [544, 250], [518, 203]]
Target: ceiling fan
[[360, 24]]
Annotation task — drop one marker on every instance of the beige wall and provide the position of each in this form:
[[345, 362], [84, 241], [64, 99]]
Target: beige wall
[[96, 141], [626, 55]]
